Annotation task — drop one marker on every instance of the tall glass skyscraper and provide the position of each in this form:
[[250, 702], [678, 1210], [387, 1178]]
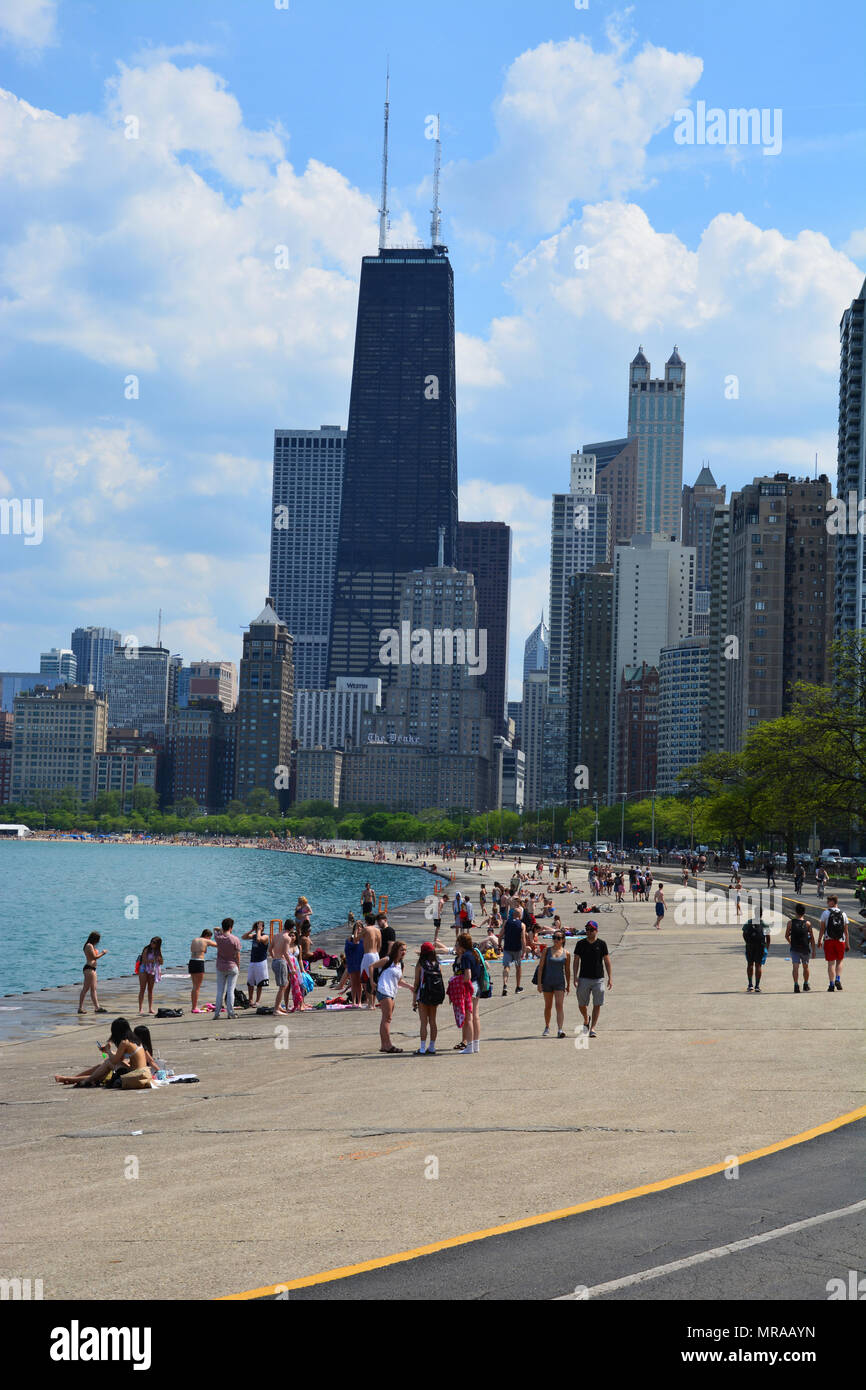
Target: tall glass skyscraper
[[400, 474], [92, 647], [536, 649], [305, 523], [656, 410]]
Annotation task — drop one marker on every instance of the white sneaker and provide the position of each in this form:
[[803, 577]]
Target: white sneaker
[[546, 1033]]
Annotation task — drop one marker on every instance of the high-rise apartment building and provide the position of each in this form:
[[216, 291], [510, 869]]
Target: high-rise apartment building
[[699, 503], [56, 736], [141, 687], [590, 685], [59, 661], [850, 582], [305, 525], [432, 745], [400, 474], [635, 756], [484, 550], [14, 683], [92, 647], [197, 748], [656, 412], [654, 586], [579, 540], [515, 714], [683, 693], [120, 769], [781, 596], [264, 714], [532, 737], [721, 652]]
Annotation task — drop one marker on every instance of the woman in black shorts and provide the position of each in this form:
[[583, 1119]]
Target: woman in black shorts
[[554, 982]]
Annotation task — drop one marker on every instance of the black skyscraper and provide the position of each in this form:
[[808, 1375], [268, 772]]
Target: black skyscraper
[[400, 475]]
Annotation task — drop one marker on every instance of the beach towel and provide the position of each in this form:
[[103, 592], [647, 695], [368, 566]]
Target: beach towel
[[460, 995]]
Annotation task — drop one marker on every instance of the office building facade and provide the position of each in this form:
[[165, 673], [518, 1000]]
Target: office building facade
[[92, 647], [699, 502], [400, 475], [332, 718], [635, 759], [141, 688], [536, 650], [590, 685], [720, 652], [532, 737], [683, 693], [265, 708], [305, 526], [59, 661], [484, 550], [579, 540], [656, 414], [56, 736]]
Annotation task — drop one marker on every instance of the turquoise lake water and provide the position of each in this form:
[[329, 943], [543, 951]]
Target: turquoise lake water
[[52, 895]]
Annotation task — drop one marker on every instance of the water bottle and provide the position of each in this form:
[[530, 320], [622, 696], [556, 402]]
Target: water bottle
[[160, 1075]]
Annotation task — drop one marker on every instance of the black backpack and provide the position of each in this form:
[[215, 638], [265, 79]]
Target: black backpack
[[753, 934], [800, 934], [835, 928], [432, 989]]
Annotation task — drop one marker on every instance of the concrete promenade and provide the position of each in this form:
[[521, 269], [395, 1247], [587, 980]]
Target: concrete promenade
[[288, 1161]]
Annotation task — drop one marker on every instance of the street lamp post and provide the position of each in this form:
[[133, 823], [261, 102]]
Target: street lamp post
[[595, 810], [622, 826]]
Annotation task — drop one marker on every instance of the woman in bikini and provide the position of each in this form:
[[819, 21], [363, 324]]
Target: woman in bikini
[[126, 1058], [149, 972], [197, 956], [91, 956]]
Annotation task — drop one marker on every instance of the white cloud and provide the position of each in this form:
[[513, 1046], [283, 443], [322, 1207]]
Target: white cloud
[[572, 125], [29, 25], [104, 462]]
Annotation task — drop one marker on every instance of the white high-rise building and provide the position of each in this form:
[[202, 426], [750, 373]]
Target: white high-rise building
[[305, 528], [654, 595], [59, 661], [656, 411], [579, 539], [332, 718]]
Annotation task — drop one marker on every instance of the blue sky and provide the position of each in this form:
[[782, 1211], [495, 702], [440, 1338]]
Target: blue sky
[[259, 127]]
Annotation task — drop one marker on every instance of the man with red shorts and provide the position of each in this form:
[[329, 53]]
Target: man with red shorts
[[834, 934]]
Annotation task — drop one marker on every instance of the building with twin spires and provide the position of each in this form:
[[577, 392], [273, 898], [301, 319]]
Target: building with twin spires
[[656, 412]]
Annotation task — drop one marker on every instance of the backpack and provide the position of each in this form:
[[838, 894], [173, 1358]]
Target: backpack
[[800, 934], [753, 934], [241, 1000], [432, 989], [835, 927], [485, 988]]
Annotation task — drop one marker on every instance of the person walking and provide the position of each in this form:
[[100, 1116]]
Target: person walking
[[257, 970], [389, 981], [428, 992], [554, 982], [228, 964], [91, 957], [470, 965], [591, 960], [770, 871], [368, 900], [512, 943], [659, 899], [801, 939], [197, 954], [756, 936], [834, 936], [150, 965]]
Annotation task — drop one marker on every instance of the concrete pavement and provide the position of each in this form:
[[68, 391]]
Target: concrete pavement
[[288, 1160]]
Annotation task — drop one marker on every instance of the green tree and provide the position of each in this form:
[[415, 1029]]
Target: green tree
[[261, 802]]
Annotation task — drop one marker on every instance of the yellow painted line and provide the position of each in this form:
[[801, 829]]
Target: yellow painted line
[[347, 1271]]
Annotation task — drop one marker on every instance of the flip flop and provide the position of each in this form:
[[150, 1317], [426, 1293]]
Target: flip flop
[[389, 1050]]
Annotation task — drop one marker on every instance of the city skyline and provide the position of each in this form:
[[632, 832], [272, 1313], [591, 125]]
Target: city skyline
[[161, 495]]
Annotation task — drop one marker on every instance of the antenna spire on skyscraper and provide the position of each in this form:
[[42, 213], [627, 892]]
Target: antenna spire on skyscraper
[[436, 222], [383, 210]]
